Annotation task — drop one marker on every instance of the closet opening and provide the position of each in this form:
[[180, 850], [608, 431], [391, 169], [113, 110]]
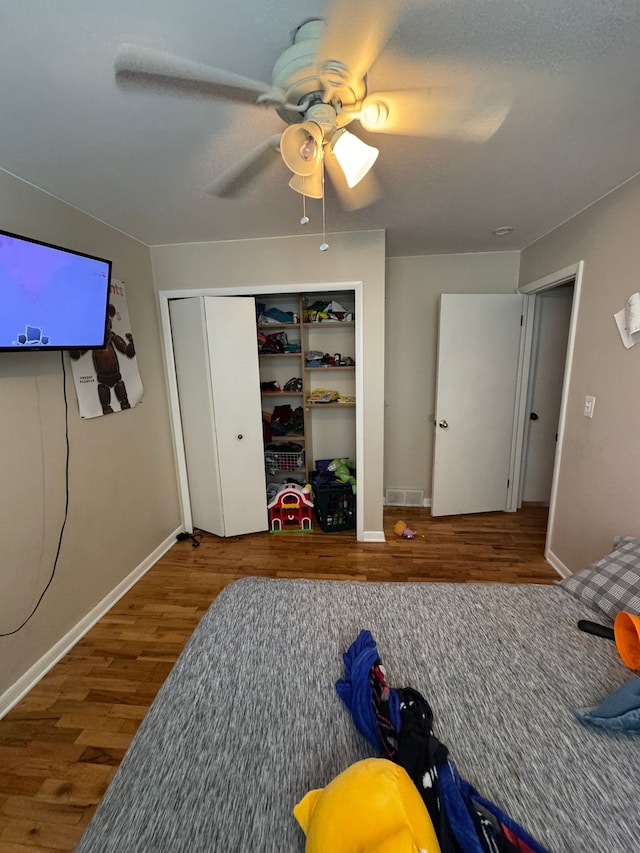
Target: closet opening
[[318, 431]]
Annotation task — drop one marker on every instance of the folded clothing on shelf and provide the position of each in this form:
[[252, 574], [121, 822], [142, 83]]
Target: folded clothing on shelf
[[282, 421], [274, 316]]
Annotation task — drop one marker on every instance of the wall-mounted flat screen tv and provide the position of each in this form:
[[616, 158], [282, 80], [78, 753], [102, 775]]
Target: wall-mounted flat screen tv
[[51, 298]]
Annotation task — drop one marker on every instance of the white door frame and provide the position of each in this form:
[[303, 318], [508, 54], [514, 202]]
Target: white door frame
[[164, 296], [563, 276]]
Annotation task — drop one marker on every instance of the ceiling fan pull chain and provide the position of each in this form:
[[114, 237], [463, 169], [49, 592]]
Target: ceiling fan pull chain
[[324, 245], [305, 218]]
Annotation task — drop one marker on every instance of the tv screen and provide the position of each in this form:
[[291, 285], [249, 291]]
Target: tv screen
[[51, 298]]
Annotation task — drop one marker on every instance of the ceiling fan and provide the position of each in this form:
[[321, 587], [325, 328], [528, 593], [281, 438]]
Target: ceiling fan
[[318, 88]]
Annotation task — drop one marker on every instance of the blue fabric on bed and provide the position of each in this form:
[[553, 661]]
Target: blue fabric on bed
[[619, 711], [458, 791], [456, 795], [355, 689], [470, 795]]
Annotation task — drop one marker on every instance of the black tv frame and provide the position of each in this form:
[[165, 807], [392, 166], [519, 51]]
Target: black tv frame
[[59, 347]]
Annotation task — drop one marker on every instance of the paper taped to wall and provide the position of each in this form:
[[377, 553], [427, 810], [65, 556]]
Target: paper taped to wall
[[628, 321], [107, 380]]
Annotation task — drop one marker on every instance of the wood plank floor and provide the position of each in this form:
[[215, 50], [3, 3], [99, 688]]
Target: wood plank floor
[[60, 746]]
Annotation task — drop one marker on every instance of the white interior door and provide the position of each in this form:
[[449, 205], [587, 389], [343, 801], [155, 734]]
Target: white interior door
[[235, 378], [478, 352], [216, 358]]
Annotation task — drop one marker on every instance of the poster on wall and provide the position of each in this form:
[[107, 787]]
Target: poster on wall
[[107, 379]]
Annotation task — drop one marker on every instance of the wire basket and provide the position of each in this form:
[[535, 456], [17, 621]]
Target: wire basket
[[281, 460]]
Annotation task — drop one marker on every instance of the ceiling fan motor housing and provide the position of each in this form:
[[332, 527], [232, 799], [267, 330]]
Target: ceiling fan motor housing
[[297, 74]]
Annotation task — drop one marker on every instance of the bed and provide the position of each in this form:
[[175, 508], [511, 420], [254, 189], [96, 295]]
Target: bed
[[248, 720]]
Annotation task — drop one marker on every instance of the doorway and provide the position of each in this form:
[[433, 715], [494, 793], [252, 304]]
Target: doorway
[[569, 278], [552, 316]]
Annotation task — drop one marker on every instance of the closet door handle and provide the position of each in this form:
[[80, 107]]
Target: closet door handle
[[240, 436], [443, 424]]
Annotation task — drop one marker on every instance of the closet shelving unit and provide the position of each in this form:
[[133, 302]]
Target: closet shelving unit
[[280, 464], [327, 432], [331, 424], [317, 330]]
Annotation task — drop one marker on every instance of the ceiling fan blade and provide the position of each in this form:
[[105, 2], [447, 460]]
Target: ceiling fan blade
[[238, 175], [145, 64], [473, 115], [367, 192], [356, 33]]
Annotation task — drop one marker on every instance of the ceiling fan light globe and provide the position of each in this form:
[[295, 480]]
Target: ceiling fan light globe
[[354, 156], [301, 147], [374, 114], [311, 185]]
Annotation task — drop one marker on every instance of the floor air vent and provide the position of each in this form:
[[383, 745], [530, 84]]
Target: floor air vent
[[404, 497]]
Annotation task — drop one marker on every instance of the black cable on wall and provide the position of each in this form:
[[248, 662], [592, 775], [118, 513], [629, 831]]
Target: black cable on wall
[[66, 503]]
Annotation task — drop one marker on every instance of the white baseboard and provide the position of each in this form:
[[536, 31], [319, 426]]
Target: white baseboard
[[557, 564], [373, 536], [39, 669]]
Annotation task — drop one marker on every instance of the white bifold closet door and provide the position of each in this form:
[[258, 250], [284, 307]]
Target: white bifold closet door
[[216, 358]]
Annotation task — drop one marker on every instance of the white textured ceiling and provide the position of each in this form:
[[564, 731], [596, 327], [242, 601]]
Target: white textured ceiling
[[140, 159]]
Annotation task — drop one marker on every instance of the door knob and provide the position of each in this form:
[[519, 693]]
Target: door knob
[[443, 424], [240, 436]]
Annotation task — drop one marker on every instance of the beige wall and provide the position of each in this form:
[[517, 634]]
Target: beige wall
[[356, 256], [599, 483], [122, 492], [123, 497], [413, 293]]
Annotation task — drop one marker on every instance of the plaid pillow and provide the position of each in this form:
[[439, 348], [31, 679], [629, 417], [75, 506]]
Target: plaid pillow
[[612, 583]]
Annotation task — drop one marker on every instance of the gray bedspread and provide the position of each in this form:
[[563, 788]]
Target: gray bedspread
[[248, 720]]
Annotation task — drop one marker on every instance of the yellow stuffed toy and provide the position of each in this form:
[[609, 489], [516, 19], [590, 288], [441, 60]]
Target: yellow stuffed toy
[[372, 806]]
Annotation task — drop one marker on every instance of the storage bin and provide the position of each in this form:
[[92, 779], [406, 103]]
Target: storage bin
[[281, 460], [335, 506]]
